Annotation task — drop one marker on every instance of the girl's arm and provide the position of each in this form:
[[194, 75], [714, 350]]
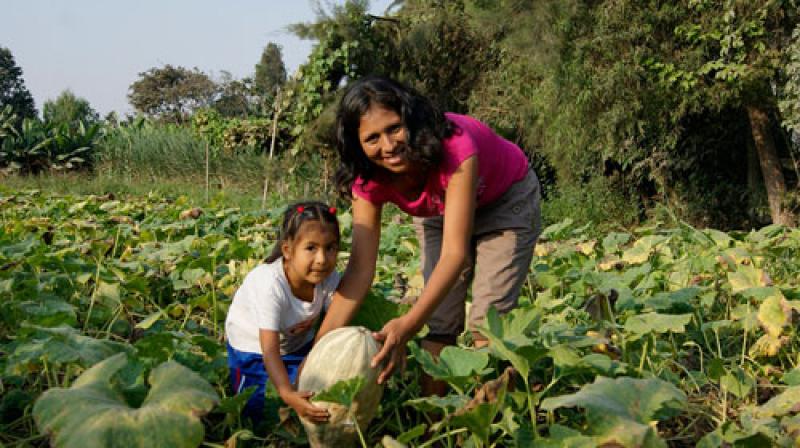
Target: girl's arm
[[459, 211], [360, 270], [298, 400]]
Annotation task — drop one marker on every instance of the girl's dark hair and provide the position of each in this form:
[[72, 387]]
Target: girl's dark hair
[[294, 217], [426, 126]]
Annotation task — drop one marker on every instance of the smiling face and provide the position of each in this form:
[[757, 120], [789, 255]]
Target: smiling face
[[383, 137], [310, 257]]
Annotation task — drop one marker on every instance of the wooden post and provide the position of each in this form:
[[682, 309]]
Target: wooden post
[[207, 170], [277, 107]]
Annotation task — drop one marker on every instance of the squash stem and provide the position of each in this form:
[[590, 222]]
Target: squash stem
[[358, 430]]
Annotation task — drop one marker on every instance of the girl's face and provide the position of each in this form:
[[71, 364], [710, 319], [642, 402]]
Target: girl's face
[[311, 256], [383, 134]]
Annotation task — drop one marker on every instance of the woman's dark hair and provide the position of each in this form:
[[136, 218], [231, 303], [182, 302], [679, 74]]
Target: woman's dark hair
[[426, 126], [294, 217]]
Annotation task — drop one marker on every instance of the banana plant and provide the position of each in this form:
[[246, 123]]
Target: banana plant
[[26, 151]]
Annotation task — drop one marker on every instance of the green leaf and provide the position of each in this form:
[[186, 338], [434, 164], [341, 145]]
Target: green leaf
[[737, 382], [478, 420], [721, 239], [342, 392], [59, 346], [792, 377], [680, 300], [779, 405], [556, 231], [109, 291], [455, 365], [620, 410], [448, 403], [509, 340], [49, 312], [514, 327], [642, 324], [564, 437], [412, 434], [92, 414]]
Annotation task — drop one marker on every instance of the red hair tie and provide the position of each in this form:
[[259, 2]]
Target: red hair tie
[[332, 210], [300, 209]]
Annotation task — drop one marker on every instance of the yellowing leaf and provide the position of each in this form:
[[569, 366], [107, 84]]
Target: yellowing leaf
[[586, 247], [767, 345], [544, 249], [745, 277], [636, 255], [609, 262], [774, 314]]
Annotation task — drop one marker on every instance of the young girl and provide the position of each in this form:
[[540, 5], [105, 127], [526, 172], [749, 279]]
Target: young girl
[[269, 328], [475, 203]]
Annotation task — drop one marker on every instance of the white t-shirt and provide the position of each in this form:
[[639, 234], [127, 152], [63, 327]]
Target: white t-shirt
[[265, 301]]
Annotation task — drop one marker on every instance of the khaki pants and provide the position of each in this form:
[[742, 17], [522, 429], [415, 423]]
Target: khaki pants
[[503, 237]]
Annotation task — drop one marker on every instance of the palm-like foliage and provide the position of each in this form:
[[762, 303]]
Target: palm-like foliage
[[36, 146]]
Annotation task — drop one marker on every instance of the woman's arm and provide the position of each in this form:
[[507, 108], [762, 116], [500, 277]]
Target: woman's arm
[[298, 400], [459, 211], [360, 271]]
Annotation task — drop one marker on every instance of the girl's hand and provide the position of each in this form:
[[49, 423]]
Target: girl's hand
[[394, 336], [299, 401]]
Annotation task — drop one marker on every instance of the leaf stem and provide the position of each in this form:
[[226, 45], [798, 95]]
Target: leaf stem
[[442, 436]]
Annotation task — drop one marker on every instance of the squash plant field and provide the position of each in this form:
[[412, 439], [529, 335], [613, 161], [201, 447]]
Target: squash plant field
[[112, 312]]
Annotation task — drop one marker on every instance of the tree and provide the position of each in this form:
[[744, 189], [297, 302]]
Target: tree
[[236, 96], [744, 43], [69, 109], [12, 87], [270, 71], [172, 93]]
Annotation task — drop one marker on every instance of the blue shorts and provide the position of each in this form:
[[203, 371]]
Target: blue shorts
[[247, 369]]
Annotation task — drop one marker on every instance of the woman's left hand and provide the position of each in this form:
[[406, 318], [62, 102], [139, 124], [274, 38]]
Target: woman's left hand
[[394, 336]]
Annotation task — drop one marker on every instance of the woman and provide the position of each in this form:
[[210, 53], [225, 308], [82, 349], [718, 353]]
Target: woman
[[475, 204]]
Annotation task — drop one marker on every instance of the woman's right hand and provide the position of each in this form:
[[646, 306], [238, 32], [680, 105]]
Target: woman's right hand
[[393, 336], [299, 401]]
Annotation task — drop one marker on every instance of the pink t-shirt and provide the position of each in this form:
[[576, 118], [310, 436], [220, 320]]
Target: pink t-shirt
[[500, 164]]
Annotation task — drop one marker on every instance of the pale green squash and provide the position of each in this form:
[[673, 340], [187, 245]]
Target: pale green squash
[[342, 354]]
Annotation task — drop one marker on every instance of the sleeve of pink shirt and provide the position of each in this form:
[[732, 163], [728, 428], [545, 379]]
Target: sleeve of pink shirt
[[457, 148], [369, 190]]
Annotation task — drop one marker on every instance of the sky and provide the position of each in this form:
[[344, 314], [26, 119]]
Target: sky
[[97, 48]]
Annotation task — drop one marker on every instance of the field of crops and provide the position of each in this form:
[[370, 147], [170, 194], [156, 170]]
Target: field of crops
[[654, 337]]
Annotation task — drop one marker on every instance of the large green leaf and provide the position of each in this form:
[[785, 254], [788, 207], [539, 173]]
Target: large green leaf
[[680, 300], [781, 404], [642, 324], [621, 410], [93, 414], [455, 365], [514, 327], [58, 346], [508, 337]]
